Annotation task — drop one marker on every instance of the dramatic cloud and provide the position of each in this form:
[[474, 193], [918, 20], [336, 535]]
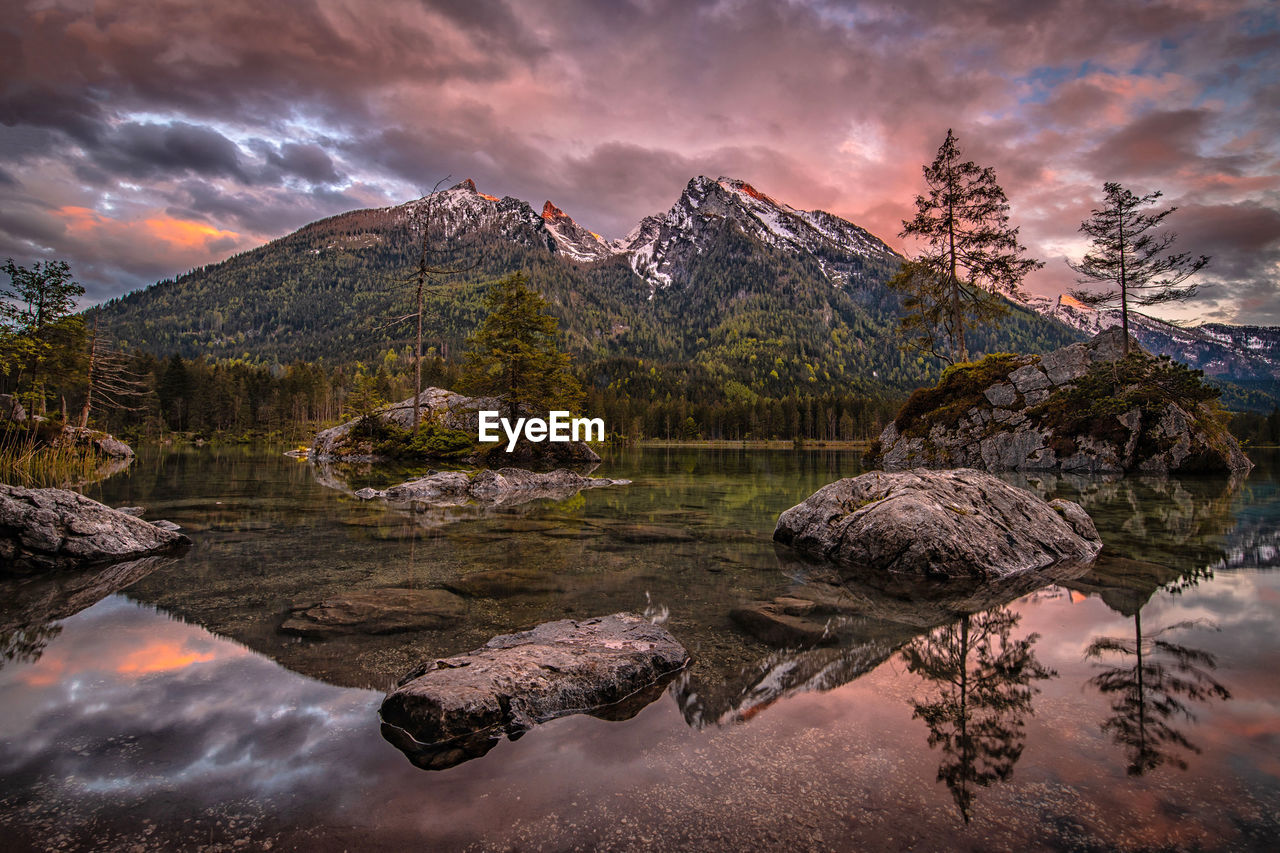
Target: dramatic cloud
[[236, 122]]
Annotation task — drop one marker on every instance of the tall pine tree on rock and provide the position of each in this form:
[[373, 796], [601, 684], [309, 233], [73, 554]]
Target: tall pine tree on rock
[[970, 256], [1129, 253], [514, 356]]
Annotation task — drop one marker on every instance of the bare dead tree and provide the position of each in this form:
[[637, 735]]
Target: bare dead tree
[[111, 384], [430, 270]]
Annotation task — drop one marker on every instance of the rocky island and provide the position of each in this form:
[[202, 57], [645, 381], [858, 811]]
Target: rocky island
[[1086, 408], [449, 427]]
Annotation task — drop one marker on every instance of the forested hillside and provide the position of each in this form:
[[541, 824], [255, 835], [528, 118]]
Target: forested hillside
[[741, 323]]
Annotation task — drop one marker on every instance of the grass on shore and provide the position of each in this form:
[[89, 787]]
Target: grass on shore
[[28, 458]]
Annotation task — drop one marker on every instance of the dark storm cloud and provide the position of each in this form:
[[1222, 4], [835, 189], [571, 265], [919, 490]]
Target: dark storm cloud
[[1243, 272], [307, 161], [73, 113], [256, 211], [1161, 143], [148, 150]]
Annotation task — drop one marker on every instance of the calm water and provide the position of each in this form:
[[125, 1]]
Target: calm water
[[1135, 706]]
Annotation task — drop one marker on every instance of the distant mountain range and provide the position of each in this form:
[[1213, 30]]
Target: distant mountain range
[[1237, 353], [729, 290]]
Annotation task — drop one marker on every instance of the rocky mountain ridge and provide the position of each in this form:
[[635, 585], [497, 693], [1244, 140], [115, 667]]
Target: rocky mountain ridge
[[1221, 350]]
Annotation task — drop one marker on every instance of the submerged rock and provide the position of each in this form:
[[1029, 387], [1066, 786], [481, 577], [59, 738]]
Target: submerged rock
[[447, 711], [945, 524], [504, 486], [785, 621], [506, 583], [1047, 413], [49, 528], [376, 611]]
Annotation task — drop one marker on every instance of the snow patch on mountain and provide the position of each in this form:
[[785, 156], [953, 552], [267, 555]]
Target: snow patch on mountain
[[1220, 350], [661, 246], [572, 239]]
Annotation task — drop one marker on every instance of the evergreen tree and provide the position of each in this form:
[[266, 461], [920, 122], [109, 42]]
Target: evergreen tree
[[42, 340], [970, 258], [513, 355], [1130, 254]]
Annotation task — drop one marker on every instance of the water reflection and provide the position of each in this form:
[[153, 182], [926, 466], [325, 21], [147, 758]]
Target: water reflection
[[129, 715], [1182, 523], [865, 617], [30, 607], [1150, 689], [983, 680]]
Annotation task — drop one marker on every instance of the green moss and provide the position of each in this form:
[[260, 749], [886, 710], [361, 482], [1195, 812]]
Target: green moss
[[959, 390], [429, 441]]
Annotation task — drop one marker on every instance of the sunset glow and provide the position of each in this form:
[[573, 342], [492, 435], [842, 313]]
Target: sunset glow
[[182, 135]]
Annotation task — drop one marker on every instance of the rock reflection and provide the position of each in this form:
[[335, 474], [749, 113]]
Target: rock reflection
[[864, 620], [30, 606], [349, 478], [985, 680], [1184, 524], [446, 754]]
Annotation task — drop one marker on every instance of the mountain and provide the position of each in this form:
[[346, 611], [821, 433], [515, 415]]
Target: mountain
[[662, 248], [1237, 353], [729, 292]]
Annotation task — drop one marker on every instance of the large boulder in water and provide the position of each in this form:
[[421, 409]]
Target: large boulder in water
[[449, 710], [51, 528], [945, 524]]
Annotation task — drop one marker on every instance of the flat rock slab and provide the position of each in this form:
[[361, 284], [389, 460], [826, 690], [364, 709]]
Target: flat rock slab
[[786, 622], [377, 611], [449, 710], [52, 528], [939, 524]]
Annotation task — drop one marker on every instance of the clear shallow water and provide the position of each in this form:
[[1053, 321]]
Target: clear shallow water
[[173, 713]]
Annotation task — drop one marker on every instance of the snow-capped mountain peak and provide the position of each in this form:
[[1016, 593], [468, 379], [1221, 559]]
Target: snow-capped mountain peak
[[662, 246], [572, 239]]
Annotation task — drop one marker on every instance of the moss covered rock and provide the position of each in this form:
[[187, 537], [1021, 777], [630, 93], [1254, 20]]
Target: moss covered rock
[[1085, 408]]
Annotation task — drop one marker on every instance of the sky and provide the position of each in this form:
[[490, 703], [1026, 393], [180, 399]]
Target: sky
[[142, 138]]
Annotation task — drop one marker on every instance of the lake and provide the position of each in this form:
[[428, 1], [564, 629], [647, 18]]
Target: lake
[[1134, 706]]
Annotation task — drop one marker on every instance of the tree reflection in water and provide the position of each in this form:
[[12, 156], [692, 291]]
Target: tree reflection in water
[[1151, 689], [985, 680], [27, 643]]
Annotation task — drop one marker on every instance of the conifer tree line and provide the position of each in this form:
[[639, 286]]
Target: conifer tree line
[[755, 373]]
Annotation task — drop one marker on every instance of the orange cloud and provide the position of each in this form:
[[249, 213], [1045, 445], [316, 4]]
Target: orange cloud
[[178, 233], [160, 657], [185, 233]]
